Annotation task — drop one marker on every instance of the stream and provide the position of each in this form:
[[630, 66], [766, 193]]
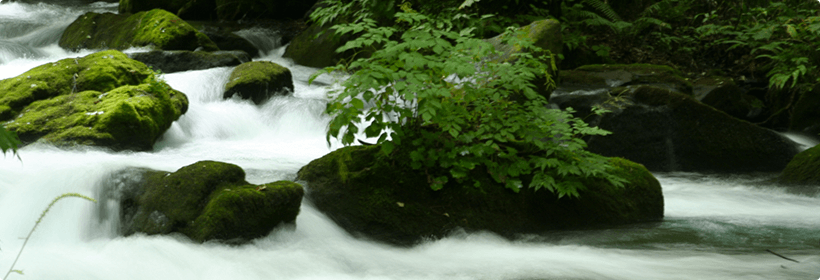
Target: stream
[[715, 226]]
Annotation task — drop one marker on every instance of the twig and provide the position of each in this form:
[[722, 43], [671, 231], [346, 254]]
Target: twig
[[779, 255]]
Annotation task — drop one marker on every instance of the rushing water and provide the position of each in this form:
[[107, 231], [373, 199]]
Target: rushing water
[[716, 227]]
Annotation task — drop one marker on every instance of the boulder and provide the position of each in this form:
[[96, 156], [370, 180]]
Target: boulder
[[805, 115], [157, 28], [103, 99], [205, 201], [185, 9], [803, 169], [371, 195], [258, 81], [545, 34], [177, 61], [733, 100], [259, 9], [616, 75], [669, 131], [316, 47]]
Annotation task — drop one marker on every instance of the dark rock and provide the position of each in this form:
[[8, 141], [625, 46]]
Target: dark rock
[[177, 61], [185, 9], [316, 47], [205, 201], [733, 100], [803, 169], [258, 81], [386, 200], [157, 28], [669, 131], [260, 9], [616, 75], [104, 99], [805, 117]]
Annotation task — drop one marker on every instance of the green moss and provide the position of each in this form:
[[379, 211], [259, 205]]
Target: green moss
[[383, 198], [248, 211], [157, 28], [803, 169], [103, 99], [258, 81]]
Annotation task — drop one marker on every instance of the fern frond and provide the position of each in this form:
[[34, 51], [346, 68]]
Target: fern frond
[[604, 9]]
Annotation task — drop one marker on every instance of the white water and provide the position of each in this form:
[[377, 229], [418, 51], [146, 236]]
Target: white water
[[716, 227]]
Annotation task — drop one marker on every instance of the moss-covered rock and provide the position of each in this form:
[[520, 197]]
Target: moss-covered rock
[[545, 34], [103, 99], [176, 61], [316, 47], [258, 81], [669, 131], [207, 200], [616, 75], [157, 28], [384, 199], [733, 100], [803, 169]]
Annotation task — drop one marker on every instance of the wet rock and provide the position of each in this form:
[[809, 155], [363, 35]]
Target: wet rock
[[156, 28], [617, 75], [258, 81], [104, 99], [385, 199], [734, 101], [669, 131], [177, 61], [803, 169], [205, 201]]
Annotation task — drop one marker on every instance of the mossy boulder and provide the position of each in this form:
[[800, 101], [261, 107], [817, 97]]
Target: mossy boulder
[[384, 199], [258, 81], [803, 169], [733, 100], [616, 75], [177, 61], [103, 99], [205, 201], [669, 131], [157, 28], [316, 47], [545, 34]]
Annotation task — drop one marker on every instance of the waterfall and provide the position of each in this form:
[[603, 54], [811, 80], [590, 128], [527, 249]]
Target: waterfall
[[716, 227]]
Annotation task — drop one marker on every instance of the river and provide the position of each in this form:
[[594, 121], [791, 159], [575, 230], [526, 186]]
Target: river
[[716, 226]]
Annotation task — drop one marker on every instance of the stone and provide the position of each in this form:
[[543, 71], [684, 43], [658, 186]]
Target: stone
[[258, 81], [155, 28], [803, 169], [205, 201], [177, 61], [104, 99], [381, 198], [617, 75]]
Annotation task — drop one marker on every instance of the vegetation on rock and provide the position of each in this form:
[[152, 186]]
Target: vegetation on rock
[[803, 169], [157, 28], [258, 81], [103, 99]]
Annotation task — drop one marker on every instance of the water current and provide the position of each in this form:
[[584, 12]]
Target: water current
[[716, 226]]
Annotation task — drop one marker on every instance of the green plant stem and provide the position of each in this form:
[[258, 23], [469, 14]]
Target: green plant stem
[[38, 223]]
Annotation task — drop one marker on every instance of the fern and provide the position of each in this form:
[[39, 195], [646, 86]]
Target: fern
[[604, 9]]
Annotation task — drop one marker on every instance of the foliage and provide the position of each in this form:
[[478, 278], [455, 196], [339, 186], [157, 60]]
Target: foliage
[[434, 90], [8, 141], [39, 220]]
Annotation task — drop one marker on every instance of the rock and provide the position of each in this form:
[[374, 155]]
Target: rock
[[177, 61], [205, 201], [384, 199], [734, 101], [228, 41], [185, 9], [258, 81], [316, 47], [669, 131], [545, 34], [805, 117], [616, 75], [704, 85], [803, 169], [157, 28], [104, 99]]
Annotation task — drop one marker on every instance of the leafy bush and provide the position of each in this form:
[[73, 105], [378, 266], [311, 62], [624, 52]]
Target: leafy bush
[[448, 103]]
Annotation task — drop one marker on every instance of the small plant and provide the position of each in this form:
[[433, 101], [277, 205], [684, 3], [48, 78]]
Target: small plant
[[39, 220], [8, 141]]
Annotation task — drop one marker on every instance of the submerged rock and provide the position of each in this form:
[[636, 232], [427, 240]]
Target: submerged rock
[[177, 61], [258, 81], [803, 169], [104, 99], [157, 28], [386, 200], [205, 201], [669, 131]]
